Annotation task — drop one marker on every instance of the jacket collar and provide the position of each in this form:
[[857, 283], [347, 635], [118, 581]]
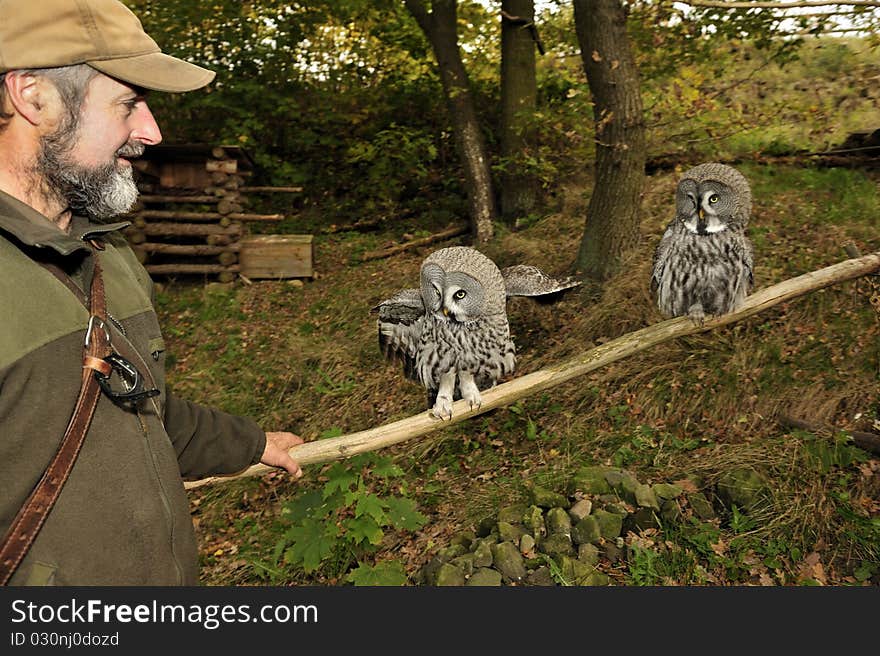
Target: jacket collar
[[33, 229]]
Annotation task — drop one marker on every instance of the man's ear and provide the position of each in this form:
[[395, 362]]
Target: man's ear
[[31, 96]]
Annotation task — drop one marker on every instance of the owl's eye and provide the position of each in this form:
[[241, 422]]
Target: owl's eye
[[460, 294], [713, 199]]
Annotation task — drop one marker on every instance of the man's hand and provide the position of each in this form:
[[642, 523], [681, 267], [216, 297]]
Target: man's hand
[[276, 455]]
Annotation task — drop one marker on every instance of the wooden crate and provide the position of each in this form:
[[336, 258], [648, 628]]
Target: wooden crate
[[277, 256]]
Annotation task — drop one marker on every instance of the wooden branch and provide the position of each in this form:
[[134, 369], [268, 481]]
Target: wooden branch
[[189, 249], [207, 216], [196, 229], [798, 4], [191, 268], [156, 198], [345, 446], [430, 239], [862, 439], [280, 190]]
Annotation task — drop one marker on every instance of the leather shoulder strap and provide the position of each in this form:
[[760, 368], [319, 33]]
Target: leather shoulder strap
[[32, 515]]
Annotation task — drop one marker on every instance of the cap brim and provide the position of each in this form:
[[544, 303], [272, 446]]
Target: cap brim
[[156, 71]]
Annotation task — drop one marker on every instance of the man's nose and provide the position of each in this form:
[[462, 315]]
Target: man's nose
[[146, 129]]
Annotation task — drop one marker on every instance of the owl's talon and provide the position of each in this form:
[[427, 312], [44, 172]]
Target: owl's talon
[[442, 408]]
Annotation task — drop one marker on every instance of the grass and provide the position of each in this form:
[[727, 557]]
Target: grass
[[305, 358]]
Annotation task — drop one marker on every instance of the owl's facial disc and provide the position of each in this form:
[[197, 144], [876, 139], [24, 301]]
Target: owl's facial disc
[[462, 298], [705, 207]]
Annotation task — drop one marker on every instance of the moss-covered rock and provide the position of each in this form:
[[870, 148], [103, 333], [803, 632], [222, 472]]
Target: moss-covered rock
[[508, 560], [587, 530], [558, 521], [588, 554], [580, 509], [591, 480], [540, 576], [449, 574], [701, 506], [512, 514], [610, 524], [743, 487], [485, 577], [545, 498], [533, 520], [483, 552], [645, 497], [666, 491], [510, 532], [557, 544]]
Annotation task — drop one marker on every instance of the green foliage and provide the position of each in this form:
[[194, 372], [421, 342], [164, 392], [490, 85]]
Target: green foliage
[[332, 528]]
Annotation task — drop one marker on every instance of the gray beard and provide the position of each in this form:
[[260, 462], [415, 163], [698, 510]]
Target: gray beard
[[100, 192]]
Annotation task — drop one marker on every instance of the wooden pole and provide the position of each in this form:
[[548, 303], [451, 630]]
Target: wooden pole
[[345, 446], [189, 249], [191, 268]]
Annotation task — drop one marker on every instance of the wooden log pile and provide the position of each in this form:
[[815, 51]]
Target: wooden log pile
[[178, 229]]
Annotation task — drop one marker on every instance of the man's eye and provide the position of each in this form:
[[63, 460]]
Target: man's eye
[[713, 198], [460, 294]]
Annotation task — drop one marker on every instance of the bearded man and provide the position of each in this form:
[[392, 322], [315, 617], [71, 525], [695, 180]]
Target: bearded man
[[92, 474]]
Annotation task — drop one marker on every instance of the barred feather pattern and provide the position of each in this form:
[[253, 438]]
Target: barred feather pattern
[[713, 270], [482, 348]]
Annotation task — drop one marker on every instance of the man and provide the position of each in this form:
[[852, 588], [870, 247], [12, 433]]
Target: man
[[73, 74]]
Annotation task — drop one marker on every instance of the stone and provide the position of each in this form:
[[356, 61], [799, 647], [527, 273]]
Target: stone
[[510, 532], [580, 510], [624, 484], [558, 521], [610, 524], [527, 546], [508, 560], [464, 538], [533, 520], [743, 487], [643, 518], [485, 577], [557, 544], [483, 552], [544, 498], [645, 497], [670, 512], [512, 514], [666, 491], [700, 505], [449, 574], [465, 563], [591, 480], [448, 553], [575, 572], [540, 576], [613, 552], [585, 531], [588, 554]]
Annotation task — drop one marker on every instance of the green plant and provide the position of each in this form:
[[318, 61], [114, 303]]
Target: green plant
[[341, 524]]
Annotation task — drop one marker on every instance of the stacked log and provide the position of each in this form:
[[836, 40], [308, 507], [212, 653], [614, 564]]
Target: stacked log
[[180, 230]]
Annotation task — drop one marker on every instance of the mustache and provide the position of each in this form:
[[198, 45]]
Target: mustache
[[131, 149]]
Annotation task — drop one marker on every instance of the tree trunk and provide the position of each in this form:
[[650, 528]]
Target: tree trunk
[[612, 222], [519, 92], [440, 27]]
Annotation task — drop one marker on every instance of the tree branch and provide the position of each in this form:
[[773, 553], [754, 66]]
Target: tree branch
[[345, 446]]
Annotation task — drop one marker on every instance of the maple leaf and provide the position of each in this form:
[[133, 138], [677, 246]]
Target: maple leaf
[[385, 468], [341, 479], [363, 529], [386, 573], [403, 514], [372, 505], [313, 541]]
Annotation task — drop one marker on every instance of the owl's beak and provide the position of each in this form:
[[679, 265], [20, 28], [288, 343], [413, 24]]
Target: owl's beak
[[701, 221], [445, 311]]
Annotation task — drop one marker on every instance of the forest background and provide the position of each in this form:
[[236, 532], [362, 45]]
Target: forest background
[[344, 99]]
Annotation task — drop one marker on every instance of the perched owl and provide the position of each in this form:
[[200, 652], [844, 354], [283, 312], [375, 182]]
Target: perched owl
[[703, 263], [452, 333]]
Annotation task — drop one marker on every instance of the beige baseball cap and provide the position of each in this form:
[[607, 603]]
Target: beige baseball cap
[[104, 34]]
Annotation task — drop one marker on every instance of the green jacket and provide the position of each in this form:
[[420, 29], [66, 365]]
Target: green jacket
[[123, 516]]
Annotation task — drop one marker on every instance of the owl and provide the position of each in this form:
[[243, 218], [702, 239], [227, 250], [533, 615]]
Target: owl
[[703, 263], [452, 333]]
